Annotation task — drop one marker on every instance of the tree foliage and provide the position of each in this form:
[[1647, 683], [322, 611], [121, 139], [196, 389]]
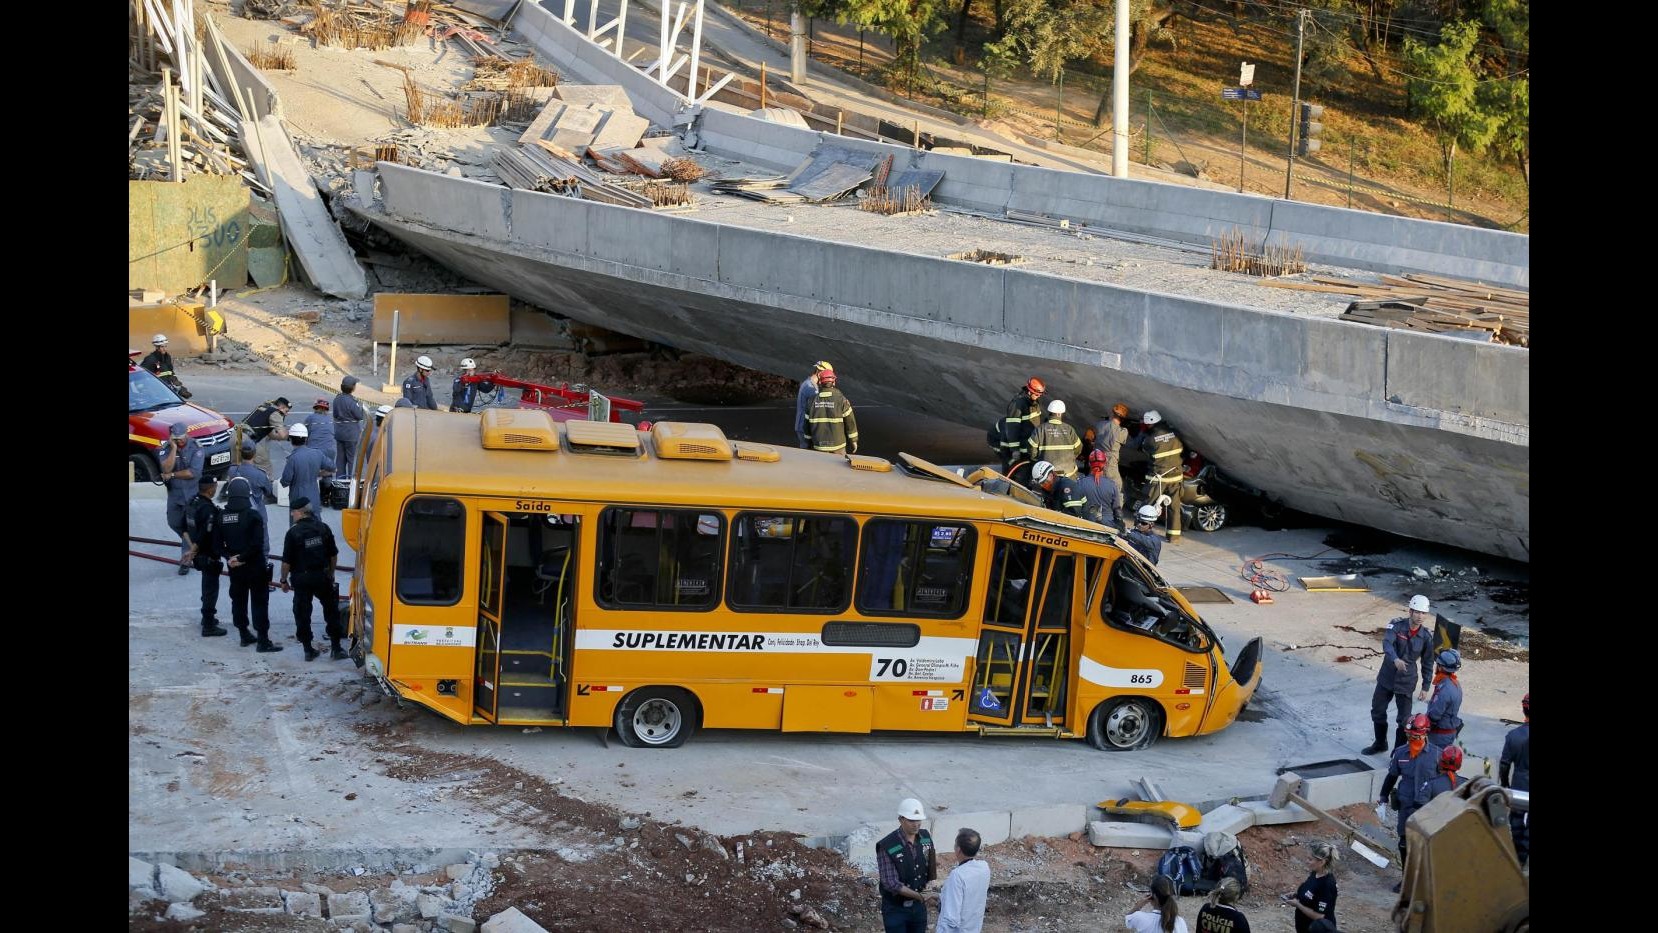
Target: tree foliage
[[907, 23]]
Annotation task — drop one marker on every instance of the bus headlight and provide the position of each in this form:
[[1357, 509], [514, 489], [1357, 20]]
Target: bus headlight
[[375, 667]]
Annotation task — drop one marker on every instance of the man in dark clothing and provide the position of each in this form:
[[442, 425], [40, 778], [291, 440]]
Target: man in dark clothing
[[1408, 768], [1061, 491], [829, 419], [1405, 648], [348, 427], [266, 423], [201, 524], [1024, 412], [463, 394], [1450, 762], [417, 387], [803, 400], [1514, 771], [1445, 705], [160, 364], [242, 540], [310, 555], [1144, 535], [1166, 474], [182, 464], [1102, 502], [907, 865]]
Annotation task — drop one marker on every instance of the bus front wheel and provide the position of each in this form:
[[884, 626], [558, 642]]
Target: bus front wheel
[[656, 717], [1125, 724]]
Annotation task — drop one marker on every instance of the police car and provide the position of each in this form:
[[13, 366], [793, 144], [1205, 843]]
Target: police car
[[153, 409]]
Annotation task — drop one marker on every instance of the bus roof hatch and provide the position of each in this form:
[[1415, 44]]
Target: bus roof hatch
[[688, 440], [602, 437], [518, 429]]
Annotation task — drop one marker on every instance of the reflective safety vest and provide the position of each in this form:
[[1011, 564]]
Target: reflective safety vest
[[1166, 453], [830, 423], [1023, 414], [1057, 443], [1067, 495]]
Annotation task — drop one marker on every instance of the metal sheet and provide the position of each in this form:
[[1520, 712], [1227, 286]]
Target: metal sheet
[[925, 182], [836, 180]]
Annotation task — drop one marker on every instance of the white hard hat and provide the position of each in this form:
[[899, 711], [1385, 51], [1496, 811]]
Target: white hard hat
[[1419, 603], [383, 410], [424, 362], [1039, 473], [910, 809], [1148, 513], [468, 363], [159, 340], [299, 430], [1056, 407], [1152, 417]]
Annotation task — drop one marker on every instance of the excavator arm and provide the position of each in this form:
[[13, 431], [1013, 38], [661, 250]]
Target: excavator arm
[[1461, 872]]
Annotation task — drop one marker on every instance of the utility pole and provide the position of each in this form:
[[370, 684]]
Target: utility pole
[[1295, 102], [1119, 95], [797, 44]]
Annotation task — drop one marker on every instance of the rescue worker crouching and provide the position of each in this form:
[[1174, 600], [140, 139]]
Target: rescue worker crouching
[[1409, 767], [1405, 647], [1166, 475], [1061, 491], [829, 418], [1057, 442], [1014, 431]]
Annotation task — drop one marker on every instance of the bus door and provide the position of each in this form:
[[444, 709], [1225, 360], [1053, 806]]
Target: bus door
[[491, 578], [1022, 673], [534, 613]]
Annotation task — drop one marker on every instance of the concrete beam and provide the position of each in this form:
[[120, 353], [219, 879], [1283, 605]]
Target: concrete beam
[[991, 825], [1060, 819]]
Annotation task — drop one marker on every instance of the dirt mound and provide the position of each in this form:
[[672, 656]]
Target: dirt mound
[[689, 377]]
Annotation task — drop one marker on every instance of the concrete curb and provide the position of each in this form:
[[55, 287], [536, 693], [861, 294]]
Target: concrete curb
[[370, 860]]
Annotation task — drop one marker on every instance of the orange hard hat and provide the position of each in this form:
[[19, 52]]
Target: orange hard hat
[[1120, 410], [1036, 386]]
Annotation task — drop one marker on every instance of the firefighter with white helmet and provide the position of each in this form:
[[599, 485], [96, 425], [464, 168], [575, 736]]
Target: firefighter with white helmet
[[1166, 475], [417, 388], [1057, 442], [1061, 491], [306, 467], [1144, 534], [463, 394], [1406, 647], [160, 365]]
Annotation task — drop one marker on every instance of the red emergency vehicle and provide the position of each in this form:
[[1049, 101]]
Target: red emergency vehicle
[[153, 409]]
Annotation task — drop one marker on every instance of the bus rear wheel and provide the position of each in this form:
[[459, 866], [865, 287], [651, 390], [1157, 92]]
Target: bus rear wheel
[[656, 717], [1125, 724]]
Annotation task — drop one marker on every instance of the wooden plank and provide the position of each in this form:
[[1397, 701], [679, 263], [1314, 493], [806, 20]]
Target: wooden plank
[[1478, 288]]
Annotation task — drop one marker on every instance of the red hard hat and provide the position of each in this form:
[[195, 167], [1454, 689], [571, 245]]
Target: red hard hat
[[1096, 456], [1036, 386], [320, 403], [1418, 725], [1451, 759], [826, 377]]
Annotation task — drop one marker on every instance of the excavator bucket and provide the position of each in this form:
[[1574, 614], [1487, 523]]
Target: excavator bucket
[[1461, 871]]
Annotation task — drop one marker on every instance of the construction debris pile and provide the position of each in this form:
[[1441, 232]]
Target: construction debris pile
[[1232, 252], [1436, 304], [182, 121]]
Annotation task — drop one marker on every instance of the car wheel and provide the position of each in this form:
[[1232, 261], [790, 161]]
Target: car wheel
[[656, 717], [1125, 724], [1211, 517], [144, 468]]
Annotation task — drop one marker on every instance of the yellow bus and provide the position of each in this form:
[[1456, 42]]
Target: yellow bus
[[514, 570]]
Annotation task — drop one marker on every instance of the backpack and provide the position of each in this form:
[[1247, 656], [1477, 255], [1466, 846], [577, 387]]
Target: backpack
[[1183, 868]]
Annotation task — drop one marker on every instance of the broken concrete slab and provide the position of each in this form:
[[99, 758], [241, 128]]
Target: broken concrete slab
[[302, 903], [183, 912], [1266, 815], [431, 906], [176, 884], [605, 95], [1057, 820], [454, 924], [348, 906], [328, 260], [991, 825], [1129, 835], [1227, 819], [512, 921], [620, 128], [1330, 791], [141, 876], [458, 872]]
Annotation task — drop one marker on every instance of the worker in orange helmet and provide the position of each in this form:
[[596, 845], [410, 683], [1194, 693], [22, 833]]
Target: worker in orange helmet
[[1109, 438], [1018, 424]]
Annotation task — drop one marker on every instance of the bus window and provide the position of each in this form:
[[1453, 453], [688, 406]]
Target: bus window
[[791, 562], [430, 545], [1056, 608], [915, 568], [1134, 603], [659, 559], [1012, 572]]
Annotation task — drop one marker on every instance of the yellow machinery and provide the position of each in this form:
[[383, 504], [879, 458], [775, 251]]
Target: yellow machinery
[[1461, 872]]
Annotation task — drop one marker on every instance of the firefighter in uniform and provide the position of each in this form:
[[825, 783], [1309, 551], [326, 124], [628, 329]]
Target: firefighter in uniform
[[1024, 411], [829, 418], [266, 424], [1109, 438], [1166, 475], [417, 386], [1102, 502], [1450, 762], [201, 523], [1062, 492], [1405, 647], [907, 863], [1408, 768], [243, 540], [1446, 703], [1144, 534], [348, 427], [259, 482], [1514, 771], [160, 365], [463, 394], [306, 467], [1057, 442], [803, 400], [310, 555]]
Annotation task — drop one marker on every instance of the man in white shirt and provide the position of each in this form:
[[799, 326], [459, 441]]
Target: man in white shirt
[[961, 905]]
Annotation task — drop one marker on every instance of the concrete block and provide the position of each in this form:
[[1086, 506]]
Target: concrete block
[[550, 221], [512, 921], [991, 825], [405, 928], [1226, 819], [349, 904], [394, 906], [1057, 820], [1119, 835], [1089, 314], [183, 912], [455, 924], [1338, 790], [302, 903], [430, 906], [1265, 815], [141, 876], [452, 203], [177, 884], [457, 872]]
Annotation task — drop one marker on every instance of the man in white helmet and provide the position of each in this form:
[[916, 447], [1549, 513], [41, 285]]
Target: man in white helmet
[[1057, 442], [417, 388], [160, 365], [1406, 648], [907, 865], [464, 393], [306, 466], [1144, 534], [1062, 492], [1166, 475]]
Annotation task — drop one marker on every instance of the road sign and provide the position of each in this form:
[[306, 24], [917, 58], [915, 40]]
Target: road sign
[[1246, 74], [1239, 93]]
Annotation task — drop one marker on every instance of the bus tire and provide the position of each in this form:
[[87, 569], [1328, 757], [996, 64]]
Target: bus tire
[[656, 717], [1125, 724]]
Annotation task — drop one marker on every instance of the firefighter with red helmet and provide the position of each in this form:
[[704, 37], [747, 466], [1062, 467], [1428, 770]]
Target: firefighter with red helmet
[[1450, 762], [1100, 495], [1409, 767]]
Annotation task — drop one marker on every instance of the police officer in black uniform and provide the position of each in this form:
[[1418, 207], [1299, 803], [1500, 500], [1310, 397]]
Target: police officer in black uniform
[[242, 540], [310, 555], [201, 523], [907, 864], [267, 422]]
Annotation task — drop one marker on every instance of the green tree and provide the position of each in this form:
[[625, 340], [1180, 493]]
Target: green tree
[[1508, 101], [1444, 89], [907, 22]]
